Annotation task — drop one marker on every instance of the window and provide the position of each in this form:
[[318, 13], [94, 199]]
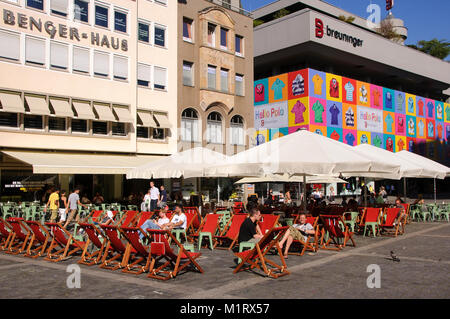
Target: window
[[118, 129], [120, 67], [9, 119], [160, 35], [59, 7], [187, 73], [214, 128], [143, 32], [143, 75], [79, 126], [187, 29], [238, 45], [211, 77], [224, 80], [9, 45], [81, 10], [211, 34], [226, 4], [160, 78], [158, 134], [59, 55], [120, 21], [101, 63], [237, 130], [81, 59], [239, 84], [56, 124], [36, 4], [142, 132], [100, 128], [33, 122], [189, 125], [223, 38], [35, 50], [101, 15]]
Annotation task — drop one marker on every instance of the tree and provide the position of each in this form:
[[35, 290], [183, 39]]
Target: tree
[[281, 13], [437, 48], [386, 29], [348, 19]]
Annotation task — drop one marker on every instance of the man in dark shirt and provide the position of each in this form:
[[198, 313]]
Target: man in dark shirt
[[250, 230], [163, 201]]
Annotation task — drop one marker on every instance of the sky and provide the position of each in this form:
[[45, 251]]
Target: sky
[[425, 20]]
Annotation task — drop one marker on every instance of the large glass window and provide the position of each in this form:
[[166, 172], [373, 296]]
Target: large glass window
[[36, 4], [187, 29], [101, 16], [56, 124], [142, 132], [223, 38], [79, 126], [81, 10], [224, 80], [100, 128], [211, 34], [143, 32], [187, 73], [160, 35], [120, 21], [144, 75], [33, 122], [211, 77], [189, 125], [238, 45], [9, 119], [239, 84], [118, 129], [214, 128], [237, 130]]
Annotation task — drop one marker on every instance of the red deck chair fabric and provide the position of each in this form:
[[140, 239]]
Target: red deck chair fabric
[[312, 241], [387, 224], [209, 225], [5, 233], [331, 224], [268, 222], [160, 250], [196, 221], [127, 218], [231, 232], [142, 218], [96, 216], [63, 240], [256, 257], [98, 241], [39, 240], [19, 239], [140, 253], [115, 249], [370, 214]]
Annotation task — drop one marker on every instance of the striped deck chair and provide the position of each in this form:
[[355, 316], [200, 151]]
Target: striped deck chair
[[39, 241]]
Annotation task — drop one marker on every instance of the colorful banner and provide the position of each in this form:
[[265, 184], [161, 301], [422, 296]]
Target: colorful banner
[[370, 119], [273, 115]]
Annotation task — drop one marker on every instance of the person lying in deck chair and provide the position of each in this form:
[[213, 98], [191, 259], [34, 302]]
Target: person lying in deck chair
[[179, 220], [161, 223], [297, 232]]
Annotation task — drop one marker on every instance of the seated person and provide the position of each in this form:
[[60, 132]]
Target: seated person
[[249, 230], [160, 223], [298, 232], [179, 220]]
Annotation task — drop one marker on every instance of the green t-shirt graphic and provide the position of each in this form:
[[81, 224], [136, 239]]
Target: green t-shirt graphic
[[377, 141], [318, 110]]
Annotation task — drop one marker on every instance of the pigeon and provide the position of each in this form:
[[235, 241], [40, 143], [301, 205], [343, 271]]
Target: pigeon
[[394, 257]]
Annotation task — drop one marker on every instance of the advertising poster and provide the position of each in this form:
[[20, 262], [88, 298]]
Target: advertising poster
[[334, 85], [334, 114], [411, 144], [272, 115], [377, 139], [335, 133], [410, 104], [376, 97], [363, 137], [429, 110], [400, 102], [369, 119], [410, 126], [439, 110], [293, 129], [388, 100], [363, 92], [439, 133], [317, 86], [389, 142], [400, 143], [420, 106], [447, 112], [348, 91], [349, 116], [388, 122], [298, 111], [321, 130], [400, 124], [278, 88], [430, 129], [421, 128], [261, 94], [447, 132], [349, 137], [317, 111], [298, 84]]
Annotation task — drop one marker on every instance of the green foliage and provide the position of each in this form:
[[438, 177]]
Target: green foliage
[[257, 22], [348, 19], [281, 13], [437, 48]]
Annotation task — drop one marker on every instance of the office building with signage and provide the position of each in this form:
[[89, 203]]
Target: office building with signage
[[343, 80]]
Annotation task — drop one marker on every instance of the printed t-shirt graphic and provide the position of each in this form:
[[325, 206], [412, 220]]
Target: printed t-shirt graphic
[[410, 105], [298, 85], [349, 89], [350, 139], [448, 132], [277, 88], [439, 130], [334, 88], [334, 110], [389, 144], [430, 129], [421, 126], [399, 102], [363, 94], [350, 117], [377, 141], [317, 80], [335, 136], [389, 120], [298, 109], [439, 111], [401, 125], [389, 100], [411, 146], [259, 92], [420, 107], [318, 110], [376, 97], [318, 132], [411, 128], [364, 139], [400, 144], [447, 113], [430, 108]]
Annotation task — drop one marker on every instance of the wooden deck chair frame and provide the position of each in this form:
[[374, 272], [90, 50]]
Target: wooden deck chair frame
[[19, 239], [137, 253], [362, 221], [128, 218], [95, 216], [311, 243], [141, 219], [39, 241], [387, 227], [98, 242], [5, 233], [225, 236], [208, 223], [176, 262], [113, 256], [64, 239], [256, 257], [335, 233]]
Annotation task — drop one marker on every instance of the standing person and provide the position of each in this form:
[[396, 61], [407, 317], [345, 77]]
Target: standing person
[[163, 193], [154, 196], [179, 220], [53, 202], [63, 204], [249, 230], [287, 198], [74, 201]]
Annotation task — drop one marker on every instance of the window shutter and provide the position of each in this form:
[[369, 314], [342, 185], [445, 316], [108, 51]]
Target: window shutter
[[10, 45]]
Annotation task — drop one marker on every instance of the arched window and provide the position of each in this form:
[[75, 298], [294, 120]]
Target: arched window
[[189, 125], [237, 130], [214, 128]]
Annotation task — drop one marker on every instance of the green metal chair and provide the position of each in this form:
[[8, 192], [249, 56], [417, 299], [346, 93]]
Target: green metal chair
[[245, 245], [445, 212], [353, 220], [7, 211]]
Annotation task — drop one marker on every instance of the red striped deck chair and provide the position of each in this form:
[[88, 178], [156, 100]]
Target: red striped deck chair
[[256, 257], [209, 225], [98, 241], [230, 234], [312, 241], [115, 249], [136, 260], [20, 236], [5, 233], [387, 226], [172, 263], [39, 241], [64, 243], [337, 237]]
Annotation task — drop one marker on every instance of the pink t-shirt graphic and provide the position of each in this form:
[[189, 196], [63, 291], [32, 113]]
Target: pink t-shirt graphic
[[298, 111]]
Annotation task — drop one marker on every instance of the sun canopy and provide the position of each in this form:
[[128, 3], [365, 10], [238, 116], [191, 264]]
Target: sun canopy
[[189, 163], [299, 153], [426, 163], [325, 179]]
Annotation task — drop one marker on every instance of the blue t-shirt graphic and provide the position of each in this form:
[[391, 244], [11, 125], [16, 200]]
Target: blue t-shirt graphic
[[350, 138], [388, 100], [430, 129], [430, 107], [364, 139], [389, 120], [410, 105], [277, 88], [334, 110]]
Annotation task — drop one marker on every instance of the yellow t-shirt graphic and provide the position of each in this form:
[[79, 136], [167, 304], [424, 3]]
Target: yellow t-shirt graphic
[[317, 80]]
